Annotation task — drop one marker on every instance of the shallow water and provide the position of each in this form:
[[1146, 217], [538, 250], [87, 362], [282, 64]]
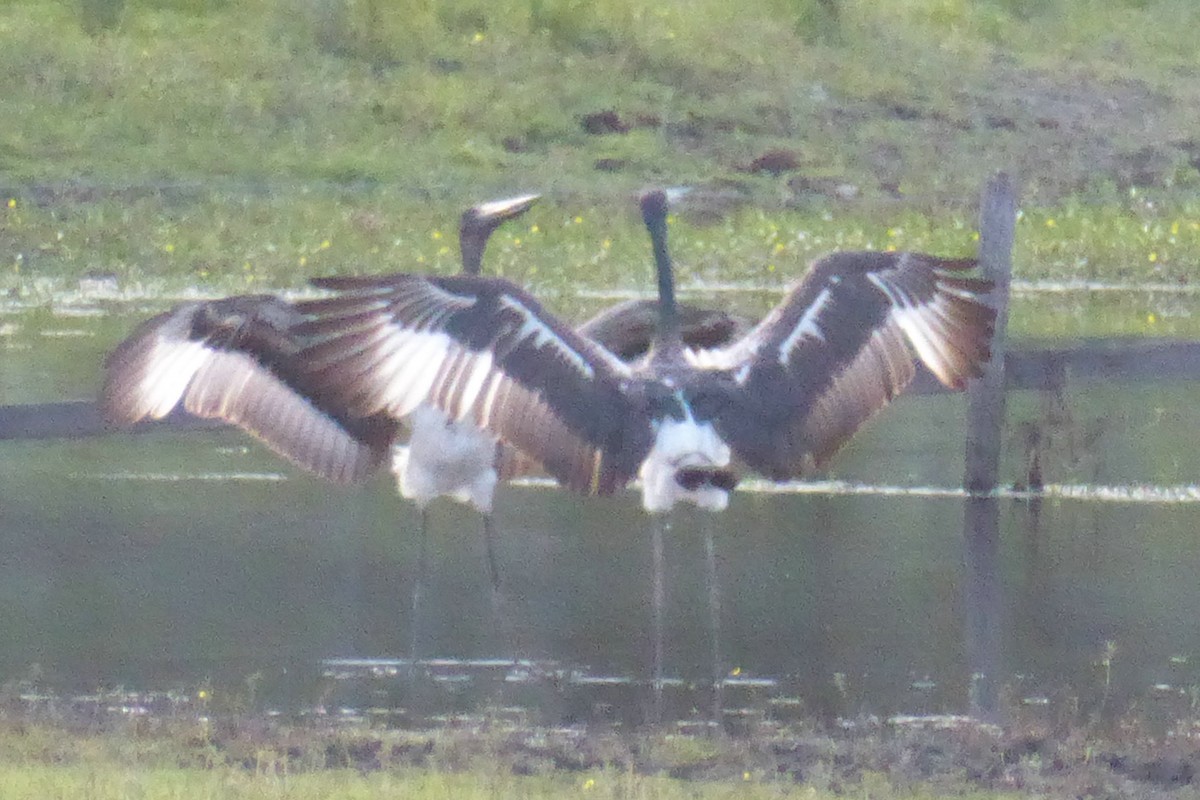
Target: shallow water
[[186, 559]]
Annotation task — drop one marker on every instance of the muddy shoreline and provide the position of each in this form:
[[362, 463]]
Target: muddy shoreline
[[1129, 755]]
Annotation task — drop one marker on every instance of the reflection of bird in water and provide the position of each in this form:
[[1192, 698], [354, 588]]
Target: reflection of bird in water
[[779, 401]]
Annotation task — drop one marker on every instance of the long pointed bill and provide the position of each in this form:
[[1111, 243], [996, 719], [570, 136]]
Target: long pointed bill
[[501, 210], [479, 221]]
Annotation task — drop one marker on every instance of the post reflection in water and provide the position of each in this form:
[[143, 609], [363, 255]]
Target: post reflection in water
[[983, 604]]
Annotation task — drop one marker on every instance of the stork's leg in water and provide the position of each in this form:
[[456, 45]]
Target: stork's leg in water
[[418, 593], [500, 611], [659, 525], [712, 578]]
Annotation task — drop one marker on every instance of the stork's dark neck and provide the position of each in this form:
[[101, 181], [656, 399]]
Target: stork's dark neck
[[473, 235], [654, 214]]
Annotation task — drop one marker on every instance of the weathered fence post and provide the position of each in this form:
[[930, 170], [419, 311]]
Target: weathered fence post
[[985, 397], [985, 426]]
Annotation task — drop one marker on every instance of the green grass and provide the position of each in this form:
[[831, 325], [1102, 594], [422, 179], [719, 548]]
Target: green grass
[[44, 761], [106, 781], [111, 782], [246, 146]]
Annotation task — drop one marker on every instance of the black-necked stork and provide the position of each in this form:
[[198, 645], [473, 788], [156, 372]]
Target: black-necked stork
[[778, 401], [235, 359]]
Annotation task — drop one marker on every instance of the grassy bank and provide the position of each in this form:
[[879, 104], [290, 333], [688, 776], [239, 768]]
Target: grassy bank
[[113, 757], [101, 780], [249, 145], [159, 759]]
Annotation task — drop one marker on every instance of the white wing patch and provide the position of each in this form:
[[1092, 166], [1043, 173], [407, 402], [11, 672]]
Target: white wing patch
[[542, 335], [922, 323], [409, 372], [806, 328], [477, 374], [171, 368], [739, 354]]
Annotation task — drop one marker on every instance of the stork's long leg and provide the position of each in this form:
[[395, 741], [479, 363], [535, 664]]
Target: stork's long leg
[[500, 610], [489, 540], [712, 578], [418, 592], [658, 528]]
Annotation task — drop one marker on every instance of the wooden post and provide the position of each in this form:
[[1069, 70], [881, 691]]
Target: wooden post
[[985, 397], [985, 425]]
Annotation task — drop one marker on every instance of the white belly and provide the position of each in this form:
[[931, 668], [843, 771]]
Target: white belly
[[446, 458], [683, 445]]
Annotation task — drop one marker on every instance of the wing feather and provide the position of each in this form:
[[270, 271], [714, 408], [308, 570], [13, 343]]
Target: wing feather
[[232, 360], [627, 329], [483, 351], [840, 346]]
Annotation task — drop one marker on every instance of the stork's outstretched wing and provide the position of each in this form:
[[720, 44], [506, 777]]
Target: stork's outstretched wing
[[841, 345], [233, 360], [485, 352]]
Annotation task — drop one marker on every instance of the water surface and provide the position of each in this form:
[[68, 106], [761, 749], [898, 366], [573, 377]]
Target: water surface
[[180, 560]]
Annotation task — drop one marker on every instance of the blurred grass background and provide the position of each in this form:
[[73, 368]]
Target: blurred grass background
[[241, 145]]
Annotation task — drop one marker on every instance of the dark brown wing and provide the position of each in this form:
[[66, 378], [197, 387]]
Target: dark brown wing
[[484, 351], [233, 360], [626, 329], [841, 345]]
